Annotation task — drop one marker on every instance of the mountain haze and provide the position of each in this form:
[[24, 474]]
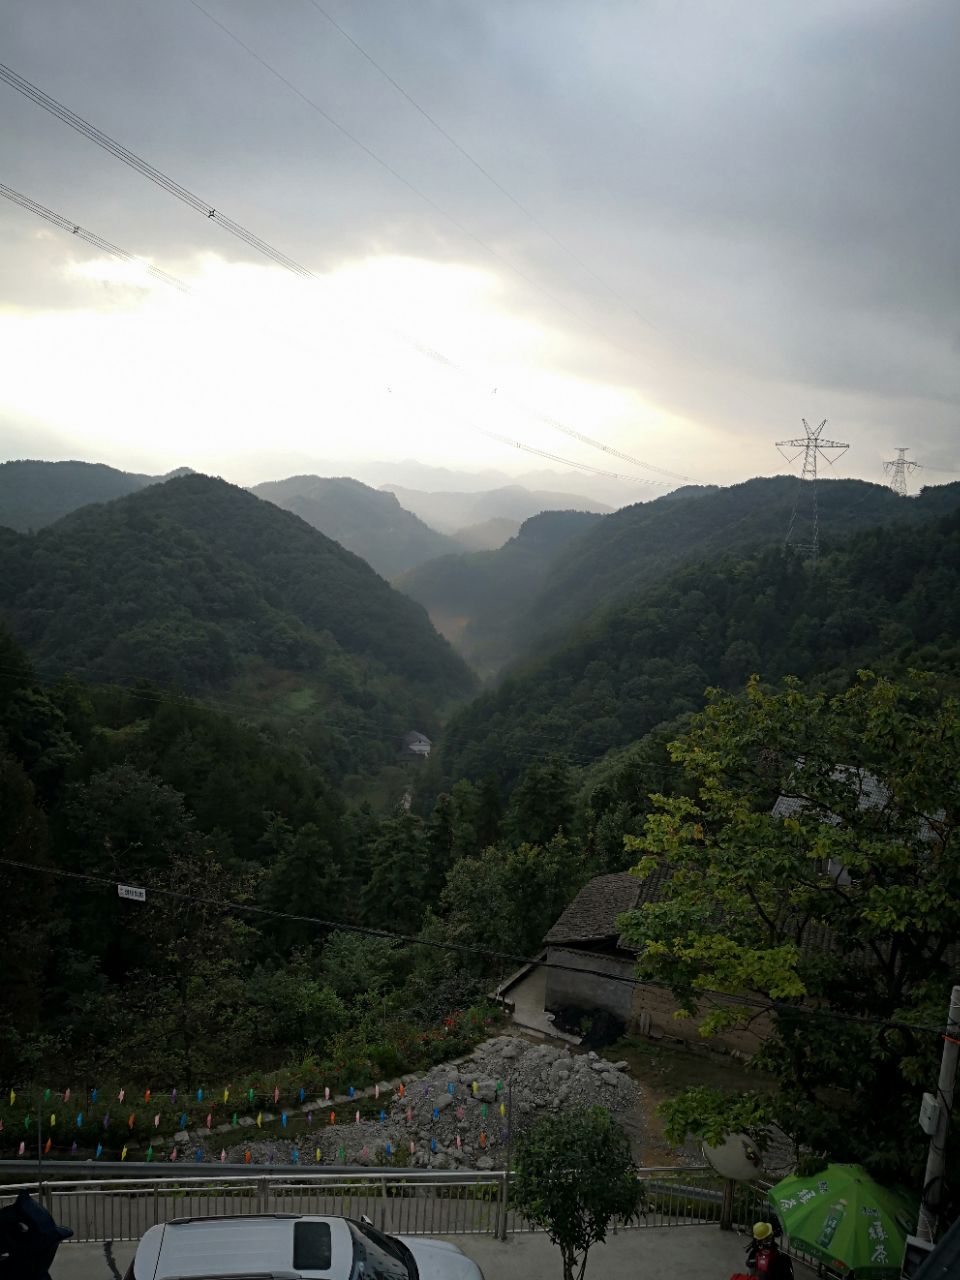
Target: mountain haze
[[488, 535], [369, 522], [34, 494], [479, 600], [450, 512]]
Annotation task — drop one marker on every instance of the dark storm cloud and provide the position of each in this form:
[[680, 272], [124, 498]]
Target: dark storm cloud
[[773, 187]]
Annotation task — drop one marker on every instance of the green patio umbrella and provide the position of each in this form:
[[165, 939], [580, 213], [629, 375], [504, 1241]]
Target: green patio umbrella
[[843, 1218]]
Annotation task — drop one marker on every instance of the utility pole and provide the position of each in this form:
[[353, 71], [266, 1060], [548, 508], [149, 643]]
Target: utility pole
[[898, 469], [935, 1120], [803, 531], [40, 1145]]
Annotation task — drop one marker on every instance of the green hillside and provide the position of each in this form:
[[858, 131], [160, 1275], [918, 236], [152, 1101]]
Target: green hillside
[[34, 494], [200, 585], [889, 598], [479, 600], [369, 522], [638, 545]]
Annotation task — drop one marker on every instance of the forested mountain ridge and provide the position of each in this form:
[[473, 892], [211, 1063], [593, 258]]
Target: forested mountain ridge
[[638, 545], [369, 522], [201, 585], [478, 600], [888, 598], [34, 493]]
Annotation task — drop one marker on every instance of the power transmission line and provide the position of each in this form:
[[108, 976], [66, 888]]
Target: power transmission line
[[412, 187], [130, 158], [464, 230], [554, 457], [105, 246], [89, 237], [898, 469], [204, 207], [803, 531], [458, 146]]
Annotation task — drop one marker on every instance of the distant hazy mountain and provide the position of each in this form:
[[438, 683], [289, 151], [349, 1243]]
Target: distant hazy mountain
[[480, 601], [487, 536], [369, 522], [201, 585], [412, 474], [34, 494], [452, 511]]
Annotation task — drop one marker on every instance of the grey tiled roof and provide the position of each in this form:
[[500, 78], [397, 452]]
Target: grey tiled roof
[[592, 915], [872, 792]]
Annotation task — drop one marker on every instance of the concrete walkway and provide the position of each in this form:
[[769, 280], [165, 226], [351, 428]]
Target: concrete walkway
[[527, 994], [647, 1253]]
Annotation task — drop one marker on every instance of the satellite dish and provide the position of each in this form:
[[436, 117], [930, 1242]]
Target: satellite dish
[[737, 1157]]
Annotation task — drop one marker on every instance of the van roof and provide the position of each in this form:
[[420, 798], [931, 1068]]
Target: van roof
[[246, 1245]]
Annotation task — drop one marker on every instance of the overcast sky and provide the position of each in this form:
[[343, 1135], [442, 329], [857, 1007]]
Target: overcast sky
[[756, 204]]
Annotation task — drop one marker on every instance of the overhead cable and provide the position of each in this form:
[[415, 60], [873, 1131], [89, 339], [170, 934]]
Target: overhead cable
[[554, 457], [205, 207], [105, 246], [460, 226], [412, 187], [761, 1003], [471, 159], [157, 176]]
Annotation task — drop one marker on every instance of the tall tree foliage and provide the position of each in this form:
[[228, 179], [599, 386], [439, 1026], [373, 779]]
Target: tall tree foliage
[[842, 906]]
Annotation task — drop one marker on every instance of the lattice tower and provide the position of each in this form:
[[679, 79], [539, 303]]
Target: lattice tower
[[898, 469], [803, 531]]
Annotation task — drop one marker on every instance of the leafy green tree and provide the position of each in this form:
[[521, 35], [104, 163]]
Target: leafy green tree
[[399, 888], [489, 811], [303, 879], [574, 1175], [507, 898], [841, 906], [542, 803]]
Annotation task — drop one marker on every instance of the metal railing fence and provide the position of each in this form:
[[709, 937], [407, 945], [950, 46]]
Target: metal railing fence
[[407, 1202]]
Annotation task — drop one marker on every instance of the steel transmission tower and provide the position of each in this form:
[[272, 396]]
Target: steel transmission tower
[[803, 531], [898, 469]]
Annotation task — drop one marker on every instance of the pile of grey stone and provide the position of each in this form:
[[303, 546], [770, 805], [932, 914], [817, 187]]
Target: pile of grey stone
[[463, 1114]]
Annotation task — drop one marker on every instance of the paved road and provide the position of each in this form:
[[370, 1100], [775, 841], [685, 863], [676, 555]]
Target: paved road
[[668, 1253]]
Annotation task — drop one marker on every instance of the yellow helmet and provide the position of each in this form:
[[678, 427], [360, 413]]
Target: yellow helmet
[[762, 1231]]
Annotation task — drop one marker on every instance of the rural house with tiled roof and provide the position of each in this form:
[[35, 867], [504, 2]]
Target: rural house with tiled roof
[[590, 967]]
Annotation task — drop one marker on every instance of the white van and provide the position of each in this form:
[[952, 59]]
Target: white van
[[292, 1247]]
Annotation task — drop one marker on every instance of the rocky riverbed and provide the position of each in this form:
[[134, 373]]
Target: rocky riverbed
[[461, 1114]]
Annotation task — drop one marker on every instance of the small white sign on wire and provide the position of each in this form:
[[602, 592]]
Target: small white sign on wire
[[131, 891]]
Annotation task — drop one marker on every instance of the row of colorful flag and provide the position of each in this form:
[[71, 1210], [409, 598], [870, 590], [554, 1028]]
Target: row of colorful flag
[[148, 1094]]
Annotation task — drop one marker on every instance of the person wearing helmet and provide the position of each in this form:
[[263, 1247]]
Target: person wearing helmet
[[764, 1256]]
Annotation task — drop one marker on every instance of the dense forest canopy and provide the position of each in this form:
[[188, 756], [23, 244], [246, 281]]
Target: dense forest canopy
[[887, 598], [639, 545], [199, 585], [109, 770]]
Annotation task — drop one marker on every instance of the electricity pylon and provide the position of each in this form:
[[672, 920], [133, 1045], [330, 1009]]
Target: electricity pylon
[[803, 531], [898, 469]]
